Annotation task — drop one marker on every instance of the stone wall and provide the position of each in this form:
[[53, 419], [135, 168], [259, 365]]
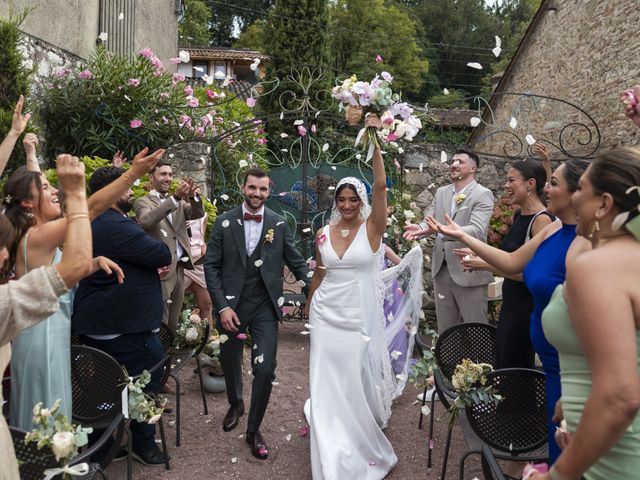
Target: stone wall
[[584, 52], [191, 160]]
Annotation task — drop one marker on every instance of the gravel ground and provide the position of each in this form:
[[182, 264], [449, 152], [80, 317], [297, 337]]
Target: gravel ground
[[209, 453]]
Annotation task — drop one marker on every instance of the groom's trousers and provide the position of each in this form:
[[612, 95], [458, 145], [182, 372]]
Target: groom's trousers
[[260, 321]]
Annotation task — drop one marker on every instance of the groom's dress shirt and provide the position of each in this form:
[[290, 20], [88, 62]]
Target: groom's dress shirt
[[252, 230]]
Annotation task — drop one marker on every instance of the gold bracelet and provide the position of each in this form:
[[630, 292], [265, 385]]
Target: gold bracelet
[[71, 216]]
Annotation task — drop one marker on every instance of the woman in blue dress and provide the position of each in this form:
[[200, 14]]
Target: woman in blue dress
[[40, 362], [542, 261]]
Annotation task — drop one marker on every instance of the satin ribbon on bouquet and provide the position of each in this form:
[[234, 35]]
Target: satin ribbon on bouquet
[[77, 471], [372, 139]]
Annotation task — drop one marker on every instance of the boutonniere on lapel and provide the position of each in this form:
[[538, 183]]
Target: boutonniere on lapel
[[269, 236], [459, 198]]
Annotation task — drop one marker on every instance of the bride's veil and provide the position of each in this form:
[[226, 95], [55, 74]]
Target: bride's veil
[[399, 297]]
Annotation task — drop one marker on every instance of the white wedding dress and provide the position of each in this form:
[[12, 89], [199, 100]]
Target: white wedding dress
[[349, 404]]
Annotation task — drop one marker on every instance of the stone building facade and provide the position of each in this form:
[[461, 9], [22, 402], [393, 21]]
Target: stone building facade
[[580, 51]]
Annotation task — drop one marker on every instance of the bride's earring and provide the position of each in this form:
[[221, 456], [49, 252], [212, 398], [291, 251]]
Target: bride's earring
[[595, 228]]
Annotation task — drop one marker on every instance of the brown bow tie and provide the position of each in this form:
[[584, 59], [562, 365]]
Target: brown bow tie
[[250, 216]]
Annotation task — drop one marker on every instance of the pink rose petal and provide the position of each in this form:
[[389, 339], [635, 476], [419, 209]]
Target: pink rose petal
[[241, 336], [378, 58]]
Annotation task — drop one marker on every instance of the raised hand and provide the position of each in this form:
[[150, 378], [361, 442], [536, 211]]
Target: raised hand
[[70, 172], [143, 163], [371, 120], [412, 231], [184, 189], [353, 115], [118, 159], [30, 143], [541, 150], [19, 121], [629, 99]]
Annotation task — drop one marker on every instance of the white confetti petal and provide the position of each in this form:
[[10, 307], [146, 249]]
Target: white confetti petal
[[255, 346], [513, 123], [445, 91], [137, 182], [308, 325], [333, 167], [281, 115], [288, 437], [331, 187], [298, 122], [234, 460], [618, 222], [440, 296], [279, 223], [443, 157], [395, 354], [224, 197], [243, 163], [431, 185], [400, 150], [184, 56], [284, 135], [229, 297], [260, 358], [280, 301], [325, 147], [164, 234], [425, 410], [474, 121], [358, 156], [305, 332], [169, 301], [239, 221], [306, 230], [496, 51], [475, 65], [310, 274], [275, 383], [258, 263], [225, 223], [421, 167], [104, 36], [401, 377], [365, 337], [530, 140]]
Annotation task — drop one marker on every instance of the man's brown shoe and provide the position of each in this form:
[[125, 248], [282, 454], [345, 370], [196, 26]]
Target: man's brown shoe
[[232, 417], [258, 445]]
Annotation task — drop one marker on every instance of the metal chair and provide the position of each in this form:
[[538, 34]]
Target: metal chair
[[490, 467], [97, 382], [515, 428], [475, 341], [176, 362], [33, 462]]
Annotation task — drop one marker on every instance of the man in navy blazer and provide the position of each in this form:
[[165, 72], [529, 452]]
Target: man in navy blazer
[[123, 320]]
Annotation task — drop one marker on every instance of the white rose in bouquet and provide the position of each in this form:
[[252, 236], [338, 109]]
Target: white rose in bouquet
[[63, 444], [195, 318], [191, 335]]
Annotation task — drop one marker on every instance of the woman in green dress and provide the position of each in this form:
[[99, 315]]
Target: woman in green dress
[[594, 322]]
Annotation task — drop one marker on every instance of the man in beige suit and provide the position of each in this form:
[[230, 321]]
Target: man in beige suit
[[459, 296], [163, 216]]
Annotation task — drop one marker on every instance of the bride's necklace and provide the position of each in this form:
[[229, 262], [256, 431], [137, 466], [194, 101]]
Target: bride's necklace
[[346, 231]]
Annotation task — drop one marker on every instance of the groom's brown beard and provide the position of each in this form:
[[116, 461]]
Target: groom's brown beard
[[249, 201]]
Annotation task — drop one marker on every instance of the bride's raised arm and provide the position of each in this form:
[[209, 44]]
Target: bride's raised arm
[[377, 221]]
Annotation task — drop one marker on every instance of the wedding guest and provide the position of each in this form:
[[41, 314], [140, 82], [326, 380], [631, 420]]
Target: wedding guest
[[34, 297], [194, 280], [594, 322], [40, 364], [524, 188], [164, 216], [542, 261], [459, 296]]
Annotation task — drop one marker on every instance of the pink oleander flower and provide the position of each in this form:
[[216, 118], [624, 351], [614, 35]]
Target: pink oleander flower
[[134, 82], [135, 123], [251, 102], [193, 102], [200, 131], [62, 72], [178, 77], [164, 95], [211, 94], [188, 90], [165, 120], [85, 75], [175, 60], [185, 120], [314, 129], [262, 141], [301, 130], [241, 336], [146, 53], [378, 59]]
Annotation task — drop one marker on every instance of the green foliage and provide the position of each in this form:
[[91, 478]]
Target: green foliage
[[231, 16], [455, 99], [193, 30], [142, 407], [253, 38], [402, 209], [362, 29], [14, 81], [424, 367]]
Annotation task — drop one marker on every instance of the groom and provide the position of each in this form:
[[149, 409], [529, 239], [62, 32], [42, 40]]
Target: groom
[[247, 250]]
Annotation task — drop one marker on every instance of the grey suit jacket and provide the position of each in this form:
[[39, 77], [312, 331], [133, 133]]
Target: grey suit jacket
[[152, 215], [226, 258], [473, 215]]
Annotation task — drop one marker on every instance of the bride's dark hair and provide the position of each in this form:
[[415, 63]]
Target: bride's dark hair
[[346, 185]]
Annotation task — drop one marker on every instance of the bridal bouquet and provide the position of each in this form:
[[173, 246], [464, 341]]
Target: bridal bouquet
[[376, 96], [54, 432], [469, 379], [190, 330]]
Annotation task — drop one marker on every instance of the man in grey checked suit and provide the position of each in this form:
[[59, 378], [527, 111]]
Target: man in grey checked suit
[[459, 296], [164, 217]]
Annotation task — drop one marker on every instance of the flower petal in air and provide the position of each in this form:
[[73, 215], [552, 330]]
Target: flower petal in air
[[225, 223], [530, 139], [513, 123], [443, 158], [474, 121], [475, 65], [445, 91], [258, 263]]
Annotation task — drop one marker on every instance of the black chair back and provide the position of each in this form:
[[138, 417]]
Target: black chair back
[[97, 381], [31, 462], [518, 424]]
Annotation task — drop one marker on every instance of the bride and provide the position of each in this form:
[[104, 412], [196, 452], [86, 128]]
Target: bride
[[352, 382]]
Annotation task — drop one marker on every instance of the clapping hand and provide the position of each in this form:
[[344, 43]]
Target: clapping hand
[[19, 121], [452, 229], [186, 189], [143, 163], [30, 143], [414, 232]]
